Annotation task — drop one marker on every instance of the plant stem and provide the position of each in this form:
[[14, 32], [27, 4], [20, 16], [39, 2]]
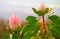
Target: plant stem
[[43, 24]]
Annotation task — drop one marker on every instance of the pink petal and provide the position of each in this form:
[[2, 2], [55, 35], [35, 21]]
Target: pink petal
[[42, 7]]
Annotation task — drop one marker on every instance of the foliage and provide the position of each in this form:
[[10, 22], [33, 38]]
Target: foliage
[[32, 31]]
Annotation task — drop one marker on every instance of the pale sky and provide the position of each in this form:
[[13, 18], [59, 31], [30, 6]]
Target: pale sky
[[23, 7], [14, 4]]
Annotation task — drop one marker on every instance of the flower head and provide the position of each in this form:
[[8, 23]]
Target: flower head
[[14, 21], [42, 7]]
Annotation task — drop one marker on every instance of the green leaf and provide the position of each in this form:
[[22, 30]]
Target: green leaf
[[39, 13], [56, 34], [18, 29], [32, 20], [5, 36], [28, 28], [15, 36], [28, 35], [35, 11], [46, 10], [50, 26], [55, 19], [36, 30], [29, 31], [54, 30]]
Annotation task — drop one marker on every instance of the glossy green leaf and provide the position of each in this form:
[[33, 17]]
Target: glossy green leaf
[[27, 35], [39, 13], [56, 26], [15, 36], [55, 19], [32, 20], [35, 11], [54, 30], [29, 28], [46, 10], [29, 31], [56, 34]]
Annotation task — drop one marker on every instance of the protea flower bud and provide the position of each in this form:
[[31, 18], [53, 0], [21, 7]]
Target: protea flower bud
[[42, 7], [14, 22]]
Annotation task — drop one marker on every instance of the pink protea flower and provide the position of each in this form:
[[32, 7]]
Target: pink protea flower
[[42, 7], [14, 21]]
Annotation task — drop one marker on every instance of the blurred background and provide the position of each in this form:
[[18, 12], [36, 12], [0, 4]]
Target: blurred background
[[23, 8]]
